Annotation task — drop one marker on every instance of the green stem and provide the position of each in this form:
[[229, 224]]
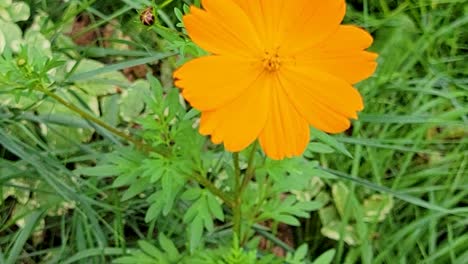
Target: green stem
[[239, 187], [161, 6], [262, 231], [214, 190], [237, 196], [92, 118], [250, 167]]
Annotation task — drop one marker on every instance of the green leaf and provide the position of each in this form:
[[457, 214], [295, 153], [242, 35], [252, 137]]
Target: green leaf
[[325, 258], [158, 91], [341, 198], [132, 101], [38, 47], [155, 208], [19, 11], [315, 147], [102, 83], [330, 141], [136, 188], [262, 231], [301, 252], [22, 236], [150, 249], [328, 214], [309, 205], [287, 219], [110, 109], [173, 102], [168, 246], [92, 73], [139, 258], [215, 207], [191, 194], [192, 212], [335, 231], [123, 180], [383, 189], [97, 171], [154, 169], [207, 219], [13, 36], [407, 119], [2, 42], [5, 3], [195, 233], [169, 192], [377, 207], [178, 13], [91, 252]]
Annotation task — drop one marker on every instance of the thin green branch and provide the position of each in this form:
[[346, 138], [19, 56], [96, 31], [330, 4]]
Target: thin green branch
[[213, 189], [92, 118], [237, 196], [240, 185], [264, 232], [250, 167]]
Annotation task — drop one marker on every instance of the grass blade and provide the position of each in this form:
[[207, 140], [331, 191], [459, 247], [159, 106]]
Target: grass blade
[[30, 223]]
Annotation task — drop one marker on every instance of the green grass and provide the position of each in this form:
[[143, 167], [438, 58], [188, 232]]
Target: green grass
[[411, 142]]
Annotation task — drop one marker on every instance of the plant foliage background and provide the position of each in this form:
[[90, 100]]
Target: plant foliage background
[[100, 160]]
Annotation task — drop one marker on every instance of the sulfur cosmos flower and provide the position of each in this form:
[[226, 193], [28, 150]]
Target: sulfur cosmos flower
[[275, 68]]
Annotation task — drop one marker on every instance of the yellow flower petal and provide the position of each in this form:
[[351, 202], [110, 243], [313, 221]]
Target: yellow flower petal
[[286, 133], [224, 29], [315, 22], [239, 123], [268, 17], [324, 100], [347, 38], [343, 55], [213, 81]]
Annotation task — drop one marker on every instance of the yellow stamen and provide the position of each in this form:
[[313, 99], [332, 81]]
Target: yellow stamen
[[271, 61]]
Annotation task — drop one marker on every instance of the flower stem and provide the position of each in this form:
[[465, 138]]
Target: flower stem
[[250, 167], [239, 186], [214, 190], [237, 218], [90, 117]]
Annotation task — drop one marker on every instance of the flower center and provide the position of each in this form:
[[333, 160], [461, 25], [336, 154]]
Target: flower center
[[271, 61]]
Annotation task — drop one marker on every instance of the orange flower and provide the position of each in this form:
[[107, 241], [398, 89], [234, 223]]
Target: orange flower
[[276, 67]]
